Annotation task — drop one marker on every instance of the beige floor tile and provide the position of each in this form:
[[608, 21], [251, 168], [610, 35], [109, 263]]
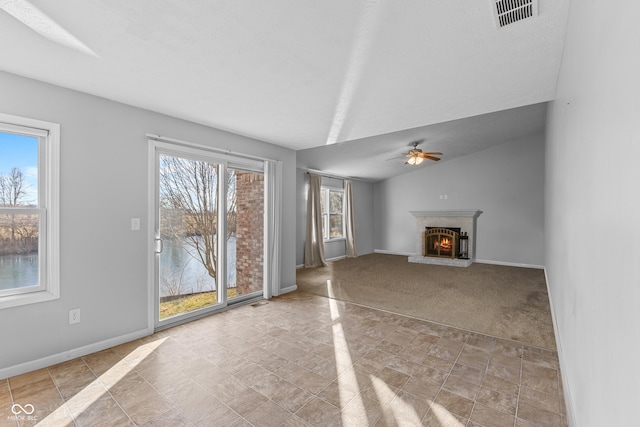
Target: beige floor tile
[[103, 411], [461, 387], [317, 412], [440, 417], [268, 414], [453, 403], [102, 361], [498, 401], [170, 418], [28, 378], [246, 402], [538, 399], [538, 416], [238, 369], [487, 416]]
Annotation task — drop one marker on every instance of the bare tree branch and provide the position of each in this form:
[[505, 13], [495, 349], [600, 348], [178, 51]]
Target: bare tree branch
[[189, 198]]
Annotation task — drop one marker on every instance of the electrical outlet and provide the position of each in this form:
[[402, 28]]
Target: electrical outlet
[[135, 224], [74, 316]]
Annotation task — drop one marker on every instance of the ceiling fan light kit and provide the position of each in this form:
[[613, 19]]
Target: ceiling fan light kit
[[414, 160], [415, 156]]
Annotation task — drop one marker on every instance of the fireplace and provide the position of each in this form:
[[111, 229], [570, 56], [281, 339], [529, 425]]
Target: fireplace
[[442, 242], [445, 237]]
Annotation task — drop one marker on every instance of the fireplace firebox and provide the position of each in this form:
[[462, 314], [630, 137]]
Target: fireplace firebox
[[443, 242]]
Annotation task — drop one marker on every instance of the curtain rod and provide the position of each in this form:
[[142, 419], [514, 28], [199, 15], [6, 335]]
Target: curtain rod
[[327, 175]]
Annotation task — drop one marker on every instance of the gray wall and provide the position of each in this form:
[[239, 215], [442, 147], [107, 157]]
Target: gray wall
[[593, 212], [505, 182], [363, 207], [103, 185]]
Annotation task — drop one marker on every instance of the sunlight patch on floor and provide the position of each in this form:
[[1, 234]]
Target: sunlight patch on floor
[[94, 391], [343, 358], [444, 416], [399, 412]]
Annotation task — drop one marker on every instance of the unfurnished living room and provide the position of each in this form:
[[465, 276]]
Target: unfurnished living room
[[297, 213]]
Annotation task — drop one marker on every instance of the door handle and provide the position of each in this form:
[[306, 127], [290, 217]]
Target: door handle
[[159, 246]]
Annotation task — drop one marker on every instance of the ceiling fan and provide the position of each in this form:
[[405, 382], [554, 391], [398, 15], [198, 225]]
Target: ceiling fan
[[415, 156]]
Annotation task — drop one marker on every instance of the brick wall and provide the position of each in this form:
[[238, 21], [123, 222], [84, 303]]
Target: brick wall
[[249, 231]]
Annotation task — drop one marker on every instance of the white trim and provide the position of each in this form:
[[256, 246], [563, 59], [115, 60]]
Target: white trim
[[479, 261], [448, 212], [565, 385], [72, 354], [509, 264], [151, 236], [288, 289], [49, 195], [159, 138], [272, 228], [335, 239], [384, 251], [338, 258]]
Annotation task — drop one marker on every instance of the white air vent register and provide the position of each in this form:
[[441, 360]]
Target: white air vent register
[[509, 11]]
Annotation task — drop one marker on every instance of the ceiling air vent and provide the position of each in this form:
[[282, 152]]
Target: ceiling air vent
[[510, 11]]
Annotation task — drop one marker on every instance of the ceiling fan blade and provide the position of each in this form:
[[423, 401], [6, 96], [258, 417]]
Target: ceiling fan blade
[[430, 157], [433, 152]]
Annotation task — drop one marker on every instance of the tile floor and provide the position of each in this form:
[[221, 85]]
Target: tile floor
[[297, 360]]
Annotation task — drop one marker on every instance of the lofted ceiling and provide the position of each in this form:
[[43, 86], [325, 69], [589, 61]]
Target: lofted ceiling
[[298, 73], [379, 157]]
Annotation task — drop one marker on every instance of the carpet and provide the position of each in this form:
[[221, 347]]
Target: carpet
[[505, 302]]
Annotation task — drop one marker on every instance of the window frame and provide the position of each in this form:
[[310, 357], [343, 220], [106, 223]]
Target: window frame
[[326, 213], [47, 209]]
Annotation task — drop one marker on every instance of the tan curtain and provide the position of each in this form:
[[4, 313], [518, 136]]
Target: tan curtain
[[314, 245], [349, 216]]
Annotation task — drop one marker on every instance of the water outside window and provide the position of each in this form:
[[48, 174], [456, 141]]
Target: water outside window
[[19, 231], [189, 261]]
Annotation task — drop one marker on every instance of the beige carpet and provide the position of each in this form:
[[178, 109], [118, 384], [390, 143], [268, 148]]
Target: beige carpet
[[506, 302]]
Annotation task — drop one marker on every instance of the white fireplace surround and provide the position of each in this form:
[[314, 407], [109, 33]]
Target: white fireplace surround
[[466, 219]]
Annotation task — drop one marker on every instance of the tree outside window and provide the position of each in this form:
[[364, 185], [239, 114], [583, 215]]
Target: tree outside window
[[29, 208], [332, 213]]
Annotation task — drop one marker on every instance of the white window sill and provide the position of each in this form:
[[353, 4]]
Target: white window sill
[[335, 239], [24, 299]]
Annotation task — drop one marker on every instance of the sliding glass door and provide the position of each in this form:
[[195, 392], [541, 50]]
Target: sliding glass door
[[209, 228], [245, 248]]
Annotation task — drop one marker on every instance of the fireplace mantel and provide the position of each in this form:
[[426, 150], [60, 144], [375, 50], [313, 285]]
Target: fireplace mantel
[[462, 213], [466, 219]]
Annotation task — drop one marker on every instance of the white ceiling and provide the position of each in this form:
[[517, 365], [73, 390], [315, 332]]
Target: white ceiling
[[297, 73]]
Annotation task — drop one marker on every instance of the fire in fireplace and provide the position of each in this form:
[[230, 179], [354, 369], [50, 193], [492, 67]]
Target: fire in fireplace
[[442, 242]]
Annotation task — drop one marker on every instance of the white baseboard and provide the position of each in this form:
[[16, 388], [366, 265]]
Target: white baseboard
[[509, 264], [479, 261], [565, 386], [54, 359], [288, 289], [338, 258], [383, 251]]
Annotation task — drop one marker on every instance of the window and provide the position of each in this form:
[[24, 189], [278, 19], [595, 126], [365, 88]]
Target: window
[[29, 230], [332, 215]]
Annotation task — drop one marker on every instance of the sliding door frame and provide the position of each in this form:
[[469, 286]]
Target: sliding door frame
[[272, 171]]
